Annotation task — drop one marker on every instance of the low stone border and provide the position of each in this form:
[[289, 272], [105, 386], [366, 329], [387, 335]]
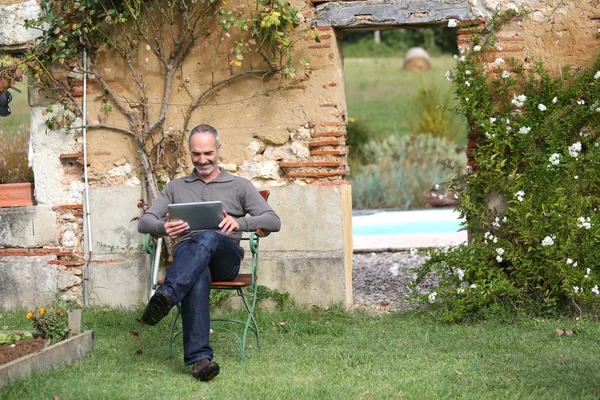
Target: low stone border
[[65, 352]]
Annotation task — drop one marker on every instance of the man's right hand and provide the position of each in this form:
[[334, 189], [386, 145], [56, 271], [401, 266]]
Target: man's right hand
[[175, 228]]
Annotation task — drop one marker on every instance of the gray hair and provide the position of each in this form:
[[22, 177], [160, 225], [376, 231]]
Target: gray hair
[[203, 128]]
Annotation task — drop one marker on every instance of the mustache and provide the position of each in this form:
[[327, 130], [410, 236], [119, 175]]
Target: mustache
[[206, 164]]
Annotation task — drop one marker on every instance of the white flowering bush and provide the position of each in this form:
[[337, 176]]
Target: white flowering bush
[[531, 197]]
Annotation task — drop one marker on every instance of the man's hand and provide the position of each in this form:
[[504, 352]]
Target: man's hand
[[228, 224], [175, 228]]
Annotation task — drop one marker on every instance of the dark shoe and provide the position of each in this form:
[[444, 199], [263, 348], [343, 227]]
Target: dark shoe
[[205, 370], [158, 307]]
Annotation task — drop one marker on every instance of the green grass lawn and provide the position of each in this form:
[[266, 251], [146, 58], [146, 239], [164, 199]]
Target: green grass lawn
[[380, 93], [319, 354], [19, 106]]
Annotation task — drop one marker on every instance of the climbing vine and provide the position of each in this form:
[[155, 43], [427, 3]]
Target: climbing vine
[[530, 197]]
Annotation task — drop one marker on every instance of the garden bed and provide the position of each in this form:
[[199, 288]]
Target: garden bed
[[64, 352]]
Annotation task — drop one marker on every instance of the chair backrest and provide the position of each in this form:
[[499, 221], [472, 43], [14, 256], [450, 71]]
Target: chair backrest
[[265, 194]]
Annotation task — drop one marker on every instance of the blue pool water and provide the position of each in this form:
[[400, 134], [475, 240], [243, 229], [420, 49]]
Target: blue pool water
[[407, 222]]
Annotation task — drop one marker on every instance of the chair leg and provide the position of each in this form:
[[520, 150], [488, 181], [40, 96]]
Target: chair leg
[[250, 320], [172, 334]]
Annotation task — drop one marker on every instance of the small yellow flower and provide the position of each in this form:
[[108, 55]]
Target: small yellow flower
[[42, 311], [351, 119], [29, 315]]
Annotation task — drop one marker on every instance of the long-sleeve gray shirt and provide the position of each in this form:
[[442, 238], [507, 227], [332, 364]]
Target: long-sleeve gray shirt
[[238, 195]]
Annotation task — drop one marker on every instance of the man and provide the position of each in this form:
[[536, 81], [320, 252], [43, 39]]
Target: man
[[203, 256]]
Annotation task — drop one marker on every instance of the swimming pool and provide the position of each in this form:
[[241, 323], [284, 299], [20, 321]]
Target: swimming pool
[[407, 222]]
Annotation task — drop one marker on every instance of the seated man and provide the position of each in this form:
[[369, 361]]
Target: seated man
[[201, 257]]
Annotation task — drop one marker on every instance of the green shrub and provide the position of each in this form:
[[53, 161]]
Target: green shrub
[[14, 165], [429, 113], [534, 249], [399, 170]]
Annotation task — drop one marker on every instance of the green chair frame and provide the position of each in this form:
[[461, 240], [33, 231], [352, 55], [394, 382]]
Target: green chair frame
[[242, 283]]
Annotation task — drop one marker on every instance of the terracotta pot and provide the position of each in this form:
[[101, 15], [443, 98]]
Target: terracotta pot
[[16, 194]]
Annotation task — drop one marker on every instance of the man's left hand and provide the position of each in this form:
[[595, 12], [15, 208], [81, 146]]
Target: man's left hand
[[228, 224]]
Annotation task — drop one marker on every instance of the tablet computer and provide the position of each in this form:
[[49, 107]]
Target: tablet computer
[[201, 215]]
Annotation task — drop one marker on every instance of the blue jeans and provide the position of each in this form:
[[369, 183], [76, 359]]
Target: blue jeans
[[207, 256]]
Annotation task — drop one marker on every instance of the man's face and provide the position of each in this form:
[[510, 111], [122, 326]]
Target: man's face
[[204, 151]]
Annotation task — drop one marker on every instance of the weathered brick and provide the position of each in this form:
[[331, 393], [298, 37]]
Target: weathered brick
[[68, 207], [331, 123], [67, 263], [329, 134], [331, 183], [288, 164], [327, 143], [324, 28], [316, 174], [339, 152], [594, 16], [319, 46], [71, 155]]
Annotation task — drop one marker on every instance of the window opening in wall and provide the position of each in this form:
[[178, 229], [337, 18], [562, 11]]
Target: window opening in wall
[[15, 165], [401, 123]]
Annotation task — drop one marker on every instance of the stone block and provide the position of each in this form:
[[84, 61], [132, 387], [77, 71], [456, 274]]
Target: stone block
[[27, 282], [119, 280], [13, 34], [112, 209], [311, 278], [28, 227]]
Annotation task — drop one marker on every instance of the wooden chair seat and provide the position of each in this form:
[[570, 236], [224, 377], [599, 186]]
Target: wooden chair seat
[[242, 280]]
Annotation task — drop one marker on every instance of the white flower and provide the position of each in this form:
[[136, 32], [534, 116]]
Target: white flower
[[554, 100], [394, 269], [548, 241], [492, 120], [519, 195], [596, 290], [541, 107], [467, 83], [477, 48], [455, 56], [462, 58], [575, 264], [499, 259], [574, 149], [580, 101], [431, 296], [499, 61], [576, 177], [468, 72], [466, 99], [452, 23], [500, 251], [512, 6], [569, 261], [460, 273], [504, 219], [555, 159], [448, 77], [587, 275], [518, 100], [597, 73], [584, 222], [499, 48], [524, 130], [496, 222], [576, 289], [505, 74], [413, 251], [460, 290], [473, 286]]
